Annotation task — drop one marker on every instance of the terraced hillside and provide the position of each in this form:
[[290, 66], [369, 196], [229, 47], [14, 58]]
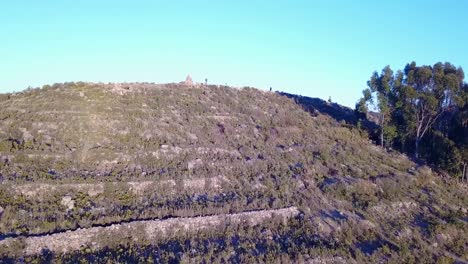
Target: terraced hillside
[[171, 173]]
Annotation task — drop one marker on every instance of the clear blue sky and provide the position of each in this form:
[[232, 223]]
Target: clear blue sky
[[313, 48]]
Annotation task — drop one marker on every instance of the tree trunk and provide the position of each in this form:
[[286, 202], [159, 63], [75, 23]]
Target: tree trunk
[[465, 172], [416, 147], [381, 137], [382, 130]]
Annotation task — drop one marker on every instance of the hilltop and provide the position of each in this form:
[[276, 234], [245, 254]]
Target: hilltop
[[172, 172]]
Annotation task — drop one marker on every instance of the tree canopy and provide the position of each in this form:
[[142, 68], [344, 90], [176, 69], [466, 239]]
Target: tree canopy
[[422, 110]]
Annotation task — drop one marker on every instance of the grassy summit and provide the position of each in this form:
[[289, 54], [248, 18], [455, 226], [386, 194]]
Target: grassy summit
[[82, 155]]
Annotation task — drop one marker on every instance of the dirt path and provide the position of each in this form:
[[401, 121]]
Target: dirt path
[[99, 237], [32, 190]]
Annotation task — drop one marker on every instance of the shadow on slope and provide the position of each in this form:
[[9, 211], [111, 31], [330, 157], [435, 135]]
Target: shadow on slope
[[338, 112]]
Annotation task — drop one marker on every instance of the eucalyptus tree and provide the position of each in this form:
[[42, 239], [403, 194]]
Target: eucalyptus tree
[[427, 102], [378, 95], [429, 91]]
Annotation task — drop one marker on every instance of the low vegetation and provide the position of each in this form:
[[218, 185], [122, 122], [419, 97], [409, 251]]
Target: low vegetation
[[81, 156]]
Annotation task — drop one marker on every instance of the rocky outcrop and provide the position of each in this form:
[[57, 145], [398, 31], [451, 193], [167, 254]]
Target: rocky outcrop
[[188, 80]]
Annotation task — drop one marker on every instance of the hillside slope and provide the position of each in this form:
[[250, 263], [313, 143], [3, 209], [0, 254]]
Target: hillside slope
[[78, 156]]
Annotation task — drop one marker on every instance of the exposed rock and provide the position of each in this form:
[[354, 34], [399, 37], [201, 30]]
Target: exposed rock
[[405, 233], [367, 224], [39, 189], [26, 134], [188, 80], [394, 209], [139, 187], [328, 260], [68, 202], [442, 238], [194, 163]]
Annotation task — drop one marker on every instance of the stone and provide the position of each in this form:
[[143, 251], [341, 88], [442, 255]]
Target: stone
[[188, 80], [194, 163], [68, 202]]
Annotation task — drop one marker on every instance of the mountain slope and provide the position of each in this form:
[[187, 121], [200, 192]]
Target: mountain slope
[[82, 155]]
